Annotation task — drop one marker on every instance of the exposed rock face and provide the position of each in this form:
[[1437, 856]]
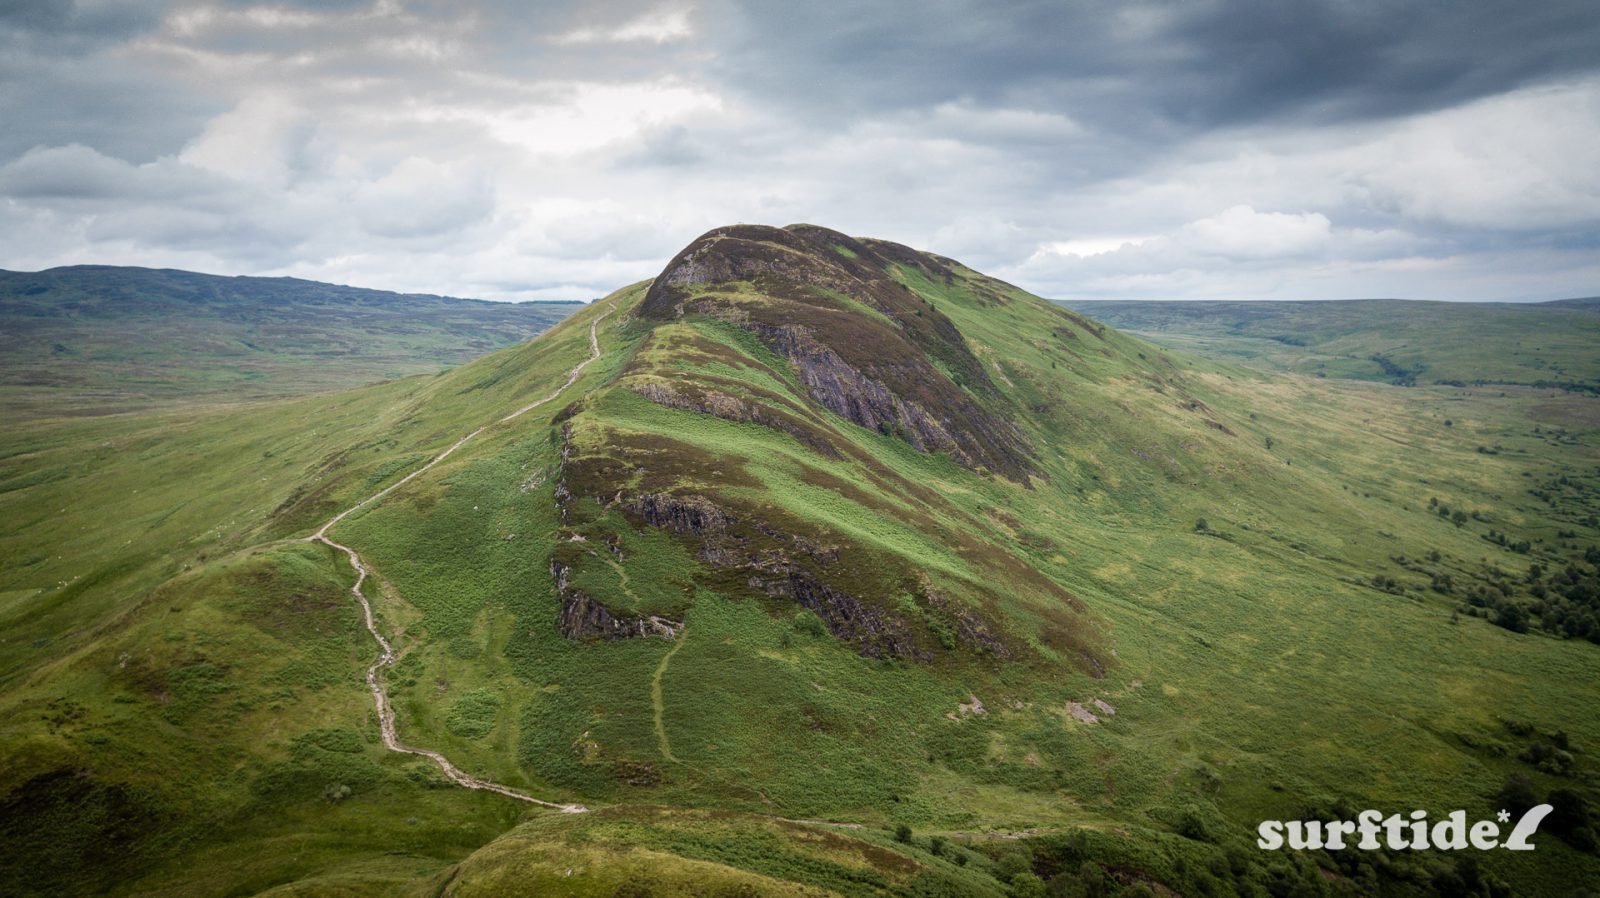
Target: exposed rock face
[[878, 370], [875, 634], [695, 515], [584, 619], [831, 381]]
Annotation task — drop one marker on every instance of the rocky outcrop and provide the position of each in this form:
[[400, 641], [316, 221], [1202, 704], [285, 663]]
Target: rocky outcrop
[[970, 629], [845, 391], [584, 619], [743, 253], [695, 515], [874, 633]]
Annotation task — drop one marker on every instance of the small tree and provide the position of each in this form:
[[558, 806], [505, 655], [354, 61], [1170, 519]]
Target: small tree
[[902, 833], [1200, 525], [1569, 813], [1513, 617]]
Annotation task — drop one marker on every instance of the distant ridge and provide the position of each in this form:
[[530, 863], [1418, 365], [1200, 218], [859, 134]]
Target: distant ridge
[[100, 338], [1587, 303], [89, 276]]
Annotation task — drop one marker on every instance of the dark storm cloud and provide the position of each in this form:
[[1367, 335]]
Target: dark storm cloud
[[1380, 59], [1159, 64]]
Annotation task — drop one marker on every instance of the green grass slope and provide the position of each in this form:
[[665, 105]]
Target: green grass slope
[[96, 339], [843, 569], [1388, 340]]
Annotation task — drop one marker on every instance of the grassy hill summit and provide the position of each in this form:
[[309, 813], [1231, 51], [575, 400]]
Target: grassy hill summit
[[96, 339], [816, 565]]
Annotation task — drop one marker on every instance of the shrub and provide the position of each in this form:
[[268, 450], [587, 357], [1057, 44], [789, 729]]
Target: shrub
[[1026, 885], [1517, 795]]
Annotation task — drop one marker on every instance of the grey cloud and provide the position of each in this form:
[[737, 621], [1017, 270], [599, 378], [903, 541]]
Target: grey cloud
[[416, 145], [67, 25], [76, 172], [423, 199]]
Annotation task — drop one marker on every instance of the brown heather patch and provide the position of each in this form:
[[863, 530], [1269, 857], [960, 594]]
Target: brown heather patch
[[875, 856], [647, 462], [275, 609]]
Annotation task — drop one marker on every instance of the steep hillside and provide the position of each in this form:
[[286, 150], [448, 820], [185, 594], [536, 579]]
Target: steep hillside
[[1404, 342], [810, 528], [94, 339]]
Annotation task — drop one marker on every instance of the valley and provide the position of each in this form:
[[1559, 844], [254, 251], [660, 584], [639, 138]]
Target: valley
[[808, 528]]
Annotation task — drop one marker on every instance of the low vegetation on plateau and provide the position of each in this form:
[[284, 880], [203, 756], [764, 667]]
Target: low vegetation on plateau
[[1550, 345], [842, 569]]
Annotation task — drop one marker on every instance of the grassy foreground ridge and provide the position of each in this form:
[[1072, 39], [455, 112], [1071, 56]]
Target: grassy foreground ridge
[[843, 569]]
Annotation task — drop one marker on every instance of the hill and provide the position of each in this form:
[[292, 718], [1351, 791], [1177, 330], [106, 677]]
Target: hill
[[817, 565], [1405, 342], [91, 339]]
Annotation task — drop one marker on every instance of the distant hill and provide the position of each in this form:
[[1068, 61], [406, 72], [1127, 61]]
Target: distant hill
[[1588, 303], [1388, 340], [93, 339]]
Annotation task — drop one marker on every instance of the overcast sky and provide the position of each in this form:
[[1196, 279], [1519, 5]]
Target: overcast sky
[[1130, 149]]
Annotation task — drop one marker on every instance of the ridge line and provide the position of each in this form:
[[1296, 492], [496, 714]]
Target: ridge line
[[386, 655]]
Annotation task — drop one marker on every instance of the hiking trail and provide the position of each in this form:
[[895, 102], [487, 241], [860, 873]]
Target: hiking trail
[[386, 655]]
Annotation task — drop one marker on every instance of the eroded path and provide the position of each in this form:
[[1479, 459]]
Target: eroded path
[[658, 702], [386, 656]]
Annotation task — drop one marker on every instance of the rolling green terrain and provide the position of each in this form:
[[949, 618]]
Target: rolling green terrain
[[1389, 340], [838, 569], [95, 339]]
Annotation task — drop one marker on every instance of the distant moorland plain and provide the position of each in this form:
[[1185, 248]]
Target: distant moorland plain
[[1404, 342], [95, 339]]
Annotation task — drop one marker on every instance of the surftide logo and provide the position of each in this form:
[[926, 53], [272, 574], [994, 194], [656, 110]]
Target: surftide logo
[[1372, 831]]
